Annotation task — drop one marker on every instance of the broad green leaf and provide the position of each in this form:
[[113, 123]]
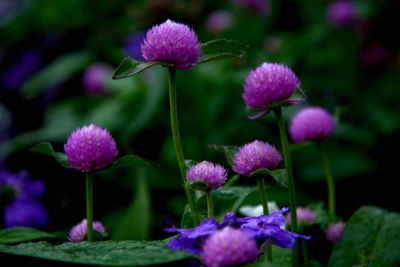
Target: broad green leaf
[[281, 258], [229, 151], [103, 253], [279, 175], [47, 149], [129, 160], [22, 234], [220, 48], [371, 238], [130, 67], [60, 70]]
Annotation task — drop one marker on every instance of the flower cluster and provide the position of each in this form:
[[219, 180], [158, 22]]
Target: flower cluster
[[20, 196], [90, 148], [201, 240], [79, 231], [172, 42]]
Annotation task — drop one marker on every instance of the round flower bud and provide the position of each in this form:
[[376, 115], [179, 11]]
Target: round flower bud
[[342, 13], [212, 175], [334, 231], [255, 155], [94, 77], [229, 247], [267, 84], [90, 148], [305, 216], [311, 123], [173, 43], [79, 231], [219, 21]]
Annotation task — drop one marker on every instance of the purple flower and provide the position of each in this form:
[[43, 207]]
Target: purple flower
[[267, 84], [311, 123], [229, 247], [260, 7], [79, 231], [262, 228], [94, 77], [219, 21], [21, 185], [90, 148], [255, 155], [213, 175], [305, 216], [25, 212], [173, 43], [334, 231], [342, 13]]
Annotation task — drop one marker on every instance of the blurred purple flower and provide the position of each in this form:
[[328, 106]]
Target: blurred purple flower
[[259, 7], [219, 21], [305, 216], [311, 123], [267, 84], [173, 43], [229, 247], [334, 231], [342, 13], [261, 228], [79, 231], [255, 155], [25, 212], [213, 175], [90, 148], [23, 67], [94, 77], [21, 184], [132, 45]]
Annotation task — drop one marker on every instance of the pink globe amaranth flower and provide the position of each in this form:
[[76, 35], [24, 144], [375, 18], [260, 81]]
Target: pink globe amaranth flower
[[173, 43], [255, 155], [90, 148], [311, 123], [219, 21], [213, 175], [334, 231], [305, 216], [94, 77], [267, 84], [229, 247], [342, 13], [79, 231]]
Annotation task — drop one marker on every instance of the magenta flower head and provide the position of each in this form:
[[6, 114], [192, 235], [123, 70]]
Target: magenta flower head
[[90, 148], [334, 231], [305, 216], [212, 175], [311, 123], [173, 43], [267, 84], [79, 231], [255, 155], [342, 13], [94, 77], [229, 247]]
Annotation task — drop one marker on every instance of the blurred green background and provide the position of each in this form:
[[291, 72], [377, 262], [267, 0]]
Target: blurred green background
[[47, 47]]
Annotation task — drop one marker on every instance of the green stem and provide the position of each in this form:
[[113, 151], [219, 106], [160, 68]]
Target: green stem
[[177, 142], [305, 252], [264, 202], [89, 206], [210, 207], [329, 178], [291, 186]]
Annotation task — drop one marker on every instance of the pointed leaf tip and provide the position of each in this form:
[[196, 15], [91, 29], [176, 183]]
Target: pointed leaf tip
[[130, 67], [220, 48]]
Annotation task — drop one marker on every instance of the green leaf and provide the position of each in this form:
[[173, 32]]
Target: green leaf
[[47, 149], [130, 67], [104, 253], [281, 258], [231, 180], [60, 70], [129, 160], [279, 175], [371, 238], [229, 151], [22, 234], [220, 48]]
